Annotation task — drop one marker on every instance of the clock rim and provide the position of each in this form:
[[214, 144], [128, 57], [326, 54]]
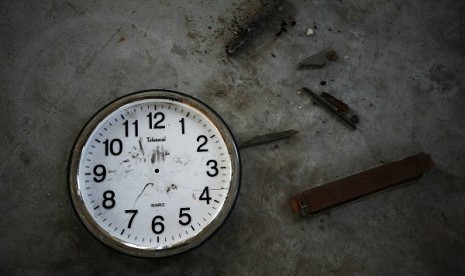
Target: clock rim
[[207, 232]]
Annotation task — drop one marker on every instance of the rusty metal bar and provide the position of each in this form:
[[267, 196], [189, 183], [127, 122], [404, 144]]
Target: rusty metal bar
[[351, 188], [336, 106]]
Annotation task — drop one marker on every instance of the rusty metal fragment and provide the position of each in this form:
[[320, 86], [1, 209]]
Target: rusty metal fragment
[[319, 60], [268, 138], [354, 187], [253, 28], [336, 106]]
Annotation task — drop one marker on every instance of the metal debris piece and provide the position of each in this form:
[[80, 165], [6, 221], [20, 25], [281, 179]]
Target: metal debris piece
[[268, 138], [331, 55], [319, 60], [336, 106], [354, 187], [253, 28]]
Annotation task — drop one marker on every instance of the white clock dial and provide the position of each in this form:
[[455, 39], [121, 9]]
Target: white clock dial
[[154, 174]]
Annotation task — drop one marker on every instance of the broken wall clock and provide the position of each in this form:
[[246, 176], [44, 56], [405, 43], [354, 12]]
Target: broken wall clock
[[154, 173]]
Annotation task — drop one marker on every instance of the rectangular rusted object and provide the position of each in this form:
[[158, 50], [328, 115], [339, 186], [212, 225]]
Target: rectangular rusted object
[[351, 188]]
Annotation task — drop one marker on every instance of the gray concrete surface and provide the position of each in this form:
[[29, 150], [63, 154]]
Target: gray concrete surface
[[63, 60]]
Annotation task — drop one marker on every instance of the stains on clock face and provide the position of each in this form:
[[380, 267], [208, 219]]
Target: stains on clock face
[[171, 188]]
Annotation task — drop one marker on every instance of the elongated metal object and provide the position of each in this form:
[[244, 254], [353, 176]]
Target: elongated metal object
[[345, 190], [336, 106], [318, 60], [268, 138]]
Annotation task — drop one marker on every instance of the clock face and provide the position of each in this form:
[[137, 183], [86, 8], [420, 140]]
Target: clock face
[[154, 173]]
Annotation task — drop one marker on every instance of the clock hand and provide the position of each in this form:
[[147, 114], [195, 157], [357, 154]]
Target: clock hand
[[146, 185], [174, 187]]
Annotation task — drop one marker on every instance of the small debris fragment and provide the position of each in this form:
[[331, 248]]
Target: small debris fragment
[[309, 32], [221, 93], [319, 60], [331, 55], [346, 57], [268, 138], [247, 33], [336, 106]]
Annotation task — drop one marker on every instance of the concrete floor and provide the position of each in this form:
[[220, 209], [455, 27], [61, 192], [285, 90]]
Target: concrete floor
[[404, 75]]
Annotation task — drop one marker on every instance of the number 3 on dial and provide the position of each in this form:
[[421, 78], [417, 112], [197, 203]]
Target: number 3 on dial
[[214, 168]]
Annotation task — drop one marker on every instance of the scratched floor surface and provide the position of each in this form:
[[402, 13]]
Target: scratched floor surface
[[401, 66]]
